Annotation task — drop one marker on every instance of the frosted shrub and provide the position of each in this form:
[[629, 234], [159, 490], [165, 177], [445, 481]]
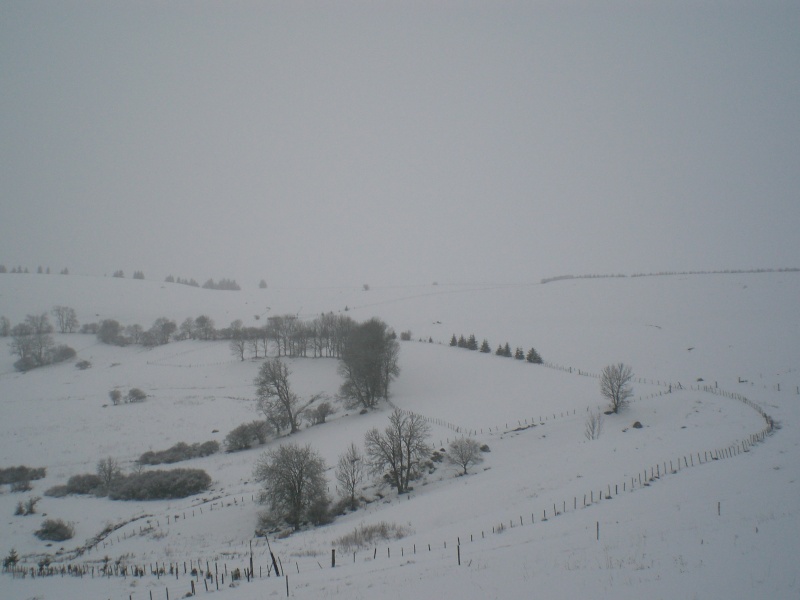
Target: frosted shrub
[[366, 535], [594, 425], [55, 530], [161, 485]]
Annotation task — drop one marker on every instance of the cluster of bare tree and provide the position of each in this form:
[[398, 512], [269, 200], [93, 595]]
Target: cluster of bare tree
[[32, 340], [368, 365], [290, 336], [295, 485], [110, 331]]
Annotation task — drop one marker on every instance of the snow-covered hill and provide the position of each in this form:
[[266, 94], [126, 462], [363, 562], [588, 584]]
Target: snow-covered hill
[[724, 528]]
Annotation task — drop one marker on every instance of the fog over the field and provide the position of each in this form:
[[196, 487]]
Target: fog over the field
[[343, 143]]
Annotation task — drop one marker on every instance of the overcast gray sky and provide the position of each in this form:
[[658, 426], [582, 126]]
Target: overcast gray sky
[[341, 143]]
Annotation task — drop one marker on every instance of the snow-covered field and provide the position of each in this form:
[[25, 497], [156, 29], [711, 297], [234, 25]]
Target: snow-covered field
[[726, 528]]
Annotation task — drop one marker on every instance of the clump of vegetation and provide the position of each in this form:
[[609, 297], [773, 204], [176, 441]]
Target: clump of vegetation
[[88, 483], [21, 475], [83, 365], [32, 341], [367, 535], [60, 353], [21, 486], [464, 452], [133, 395], [10, 561], [160, 485], [247, 435], [318, 414], [594, 425], [294, 485], [28, 507], [55, 530], [136, 395], [179, 452]]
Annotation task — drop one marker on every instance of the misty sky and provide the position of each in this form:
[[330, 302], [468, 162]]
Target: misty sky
[[341, 143]]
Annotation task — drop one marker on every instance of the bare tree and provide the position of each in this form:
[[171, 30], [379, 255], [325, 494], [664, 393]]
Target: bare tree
[[594, 425], [400, 448], [109, 471], [186, 329], [369, 363], [263, 338], [275, 398], [162, 329], [134, 333], [66, 319], [318, 414], [238, 339], [31, 341], [615, 385], [294, 483], [350, 474], [204, 327], [464, 452], [5, 327], [282, 330], [252, 335], [110, 332]]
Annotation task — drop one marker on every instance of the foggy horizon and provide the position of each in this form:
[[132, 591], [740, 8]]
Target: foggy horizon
[[402, 143]]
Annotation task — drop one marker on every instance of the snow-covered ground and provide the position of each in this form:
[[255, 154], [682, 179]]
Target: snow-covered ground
[[726, 528]]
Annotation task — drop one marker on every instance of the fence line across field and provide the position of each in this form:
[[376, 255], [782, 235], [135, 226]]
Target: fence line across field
[[194, 570], [246, 569]]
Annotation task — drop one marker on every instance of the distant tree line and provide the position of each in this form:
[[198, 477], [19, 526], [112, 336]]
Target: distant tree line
[[191, 282], [665, 273], [40, 270], [222, 284]]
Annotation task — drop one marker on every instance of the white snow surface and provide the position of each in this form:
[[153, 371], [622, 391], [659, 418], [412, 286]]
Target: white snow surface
[[726, 528]]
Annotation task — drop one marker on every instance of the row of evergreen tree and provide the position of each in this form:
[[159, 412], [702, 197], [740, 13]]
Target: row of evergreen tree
[[222, 284], [121, 274], [40, 270], [471, 343]]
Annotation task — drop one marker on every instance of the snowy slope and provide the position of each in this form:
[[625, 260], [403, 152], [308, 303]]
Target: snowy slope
[[725, 528]]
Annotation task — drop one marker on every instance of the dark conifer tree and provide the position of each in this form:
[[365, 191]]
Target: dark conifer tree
[[472, 343], [533, 357], [462, 343], [453, 341], [485, 347], [507, 350]]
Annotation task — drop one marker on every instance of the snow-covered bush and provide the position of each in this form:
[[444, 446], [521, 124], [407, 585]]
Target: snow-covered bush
[[55, 530], [367, 535], [246, 435], [136, 395], [21, 473], [179, 452], [161, 485]]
